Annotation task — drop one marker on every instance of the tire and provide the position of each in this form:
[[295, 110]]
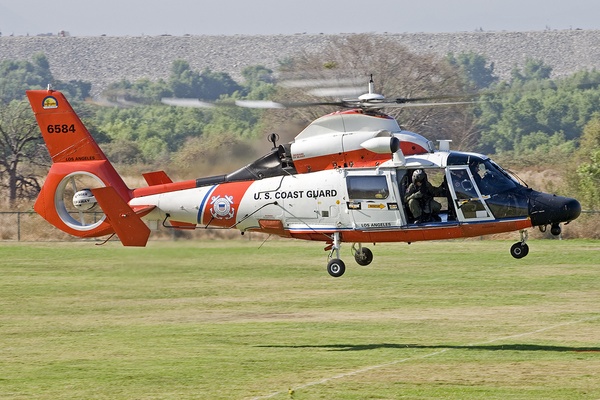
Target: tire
[[365, 258], [519, 250], [336, 268]]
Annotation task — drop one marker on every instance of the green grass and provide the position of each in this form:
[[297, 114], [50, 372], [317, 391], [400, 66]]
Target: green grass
[[234, 320]]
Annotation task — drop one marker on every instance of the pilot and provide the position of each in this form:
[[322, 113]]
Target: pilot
[[419, 197]]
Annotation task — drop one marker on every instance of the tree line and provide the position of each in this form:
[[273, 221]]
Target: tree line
[[530, 117]]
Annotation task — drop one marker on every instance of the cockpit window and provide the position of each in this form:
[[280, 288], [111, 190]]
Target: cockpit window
[[367, 187], [490, 178]]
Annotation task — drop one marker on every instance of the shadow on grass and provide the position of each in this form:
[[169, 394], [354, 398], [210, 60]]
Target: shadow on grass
[[499, 347]]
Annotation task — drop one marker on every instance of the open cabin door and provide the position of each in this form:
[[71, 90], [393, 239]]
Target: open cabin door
[[468, 202], [373, 201]]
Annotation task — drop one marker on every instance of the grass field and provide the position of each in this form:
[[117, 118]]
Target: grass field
[[237, 320]]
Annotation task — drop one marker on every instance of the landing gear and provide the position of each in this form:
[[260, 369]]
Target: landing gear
[[362, 255], [555, 229], [520, 249], [335, 266]]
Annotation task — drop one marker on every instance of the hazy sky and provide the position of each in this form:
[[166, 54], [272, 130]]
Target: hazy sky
[[229, 17]]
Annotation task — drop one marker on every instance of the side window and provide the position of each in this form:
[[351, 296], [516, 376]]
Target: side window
[[463, 185], [367, 187]]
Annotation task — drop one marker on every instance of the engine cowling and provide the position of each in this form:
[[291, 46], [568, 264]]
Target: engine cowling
[[353, 139]]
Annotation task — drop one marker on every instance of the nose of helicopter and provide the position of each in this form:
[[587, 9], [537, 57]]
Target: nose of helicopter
[[545, 209]]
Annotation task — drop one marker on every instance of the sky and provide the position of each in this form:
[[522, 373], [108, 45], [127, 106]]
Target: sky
[[251, 17]]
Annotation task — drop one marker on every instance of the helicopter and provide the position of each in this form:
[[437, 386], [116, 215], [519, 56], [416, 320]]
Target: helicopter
[[343, 179]]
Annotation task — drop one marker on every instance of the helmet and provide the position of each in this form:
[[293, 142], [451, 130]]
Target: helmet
[[419, 176]]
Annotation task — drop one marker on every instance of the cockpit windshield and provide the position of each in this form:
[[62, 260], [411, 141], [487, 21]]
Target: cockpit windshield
[[500, 191], [490, 178]]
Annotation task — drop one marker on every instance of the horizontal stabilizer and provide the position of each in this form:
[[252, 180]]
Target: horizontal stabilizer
[[130, 228], [142, 211], [157, 178], [182, 225]]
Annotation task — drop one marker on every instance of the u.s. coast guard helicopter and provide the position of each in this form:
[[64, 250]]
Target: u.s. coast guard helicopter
[[346, 178]]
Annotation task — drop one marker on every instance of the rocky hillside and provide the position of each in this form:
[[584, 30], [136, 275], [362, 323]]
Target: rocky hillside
[[102, 60]]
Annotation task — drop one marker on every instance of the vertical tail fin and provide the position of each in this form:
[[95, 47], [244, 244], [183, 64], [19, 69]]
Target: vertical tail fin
[[65, 135], [78, 166]]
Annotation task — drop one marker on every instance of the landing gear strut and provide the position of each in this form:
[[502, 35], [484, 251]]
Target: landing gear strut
[[335, 266], [520, 249], [362, 255]]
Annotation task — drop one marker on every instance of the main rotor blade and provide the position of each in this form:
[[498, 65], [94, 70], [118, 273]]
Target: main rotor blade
[[177, 102], [74, 186], [336, 92], [404, 100], [345, 103], [430, 104], [257, 104]]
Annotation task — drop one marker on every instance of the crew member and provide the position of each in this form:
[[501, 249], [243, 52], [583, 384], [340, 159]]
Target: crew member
[[419, 197]]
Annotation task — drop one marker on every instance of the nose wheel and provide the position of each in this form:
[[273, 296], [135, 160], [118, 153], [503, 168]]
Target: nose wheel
[[520, 249]]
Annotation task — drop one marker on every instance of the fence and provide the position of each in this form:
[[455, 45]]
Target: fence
[[28, 226]]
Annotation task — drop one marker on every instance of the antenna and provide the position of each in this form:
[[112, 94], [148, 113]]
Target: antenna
[[273, 138], [371, 85], [371, 95]]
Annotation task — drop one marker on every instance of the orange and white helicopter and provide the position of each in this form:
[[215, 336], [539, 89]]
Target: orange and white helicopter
[[344, 178]]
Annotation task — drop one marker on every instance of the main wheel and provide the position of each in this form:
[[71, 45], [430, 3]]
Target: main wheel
[[336, 267], [365, 257], [519, 250]]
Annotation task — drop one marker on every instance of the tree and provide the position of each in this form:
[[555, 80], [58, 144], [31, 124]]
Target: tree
[[475, 69], [18, 76], [554, 112], [534, 70], [164, 128], [208, 85], [21, 150], [588, 171], [74, 89], [257, 74]]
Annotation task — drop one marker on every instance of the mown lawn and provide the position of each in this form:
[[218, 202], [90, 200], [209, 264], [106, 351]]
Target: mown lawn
[[241, 320]]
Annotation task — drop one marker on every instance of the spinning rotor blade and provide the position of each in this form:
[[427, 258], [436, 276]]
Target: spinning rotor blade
[[403, 103], [451, 103], [74, 186], [173, 101], [335, 92], [367, 101], [177, 102], [346, 103], [404, 100], [258, 104]]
